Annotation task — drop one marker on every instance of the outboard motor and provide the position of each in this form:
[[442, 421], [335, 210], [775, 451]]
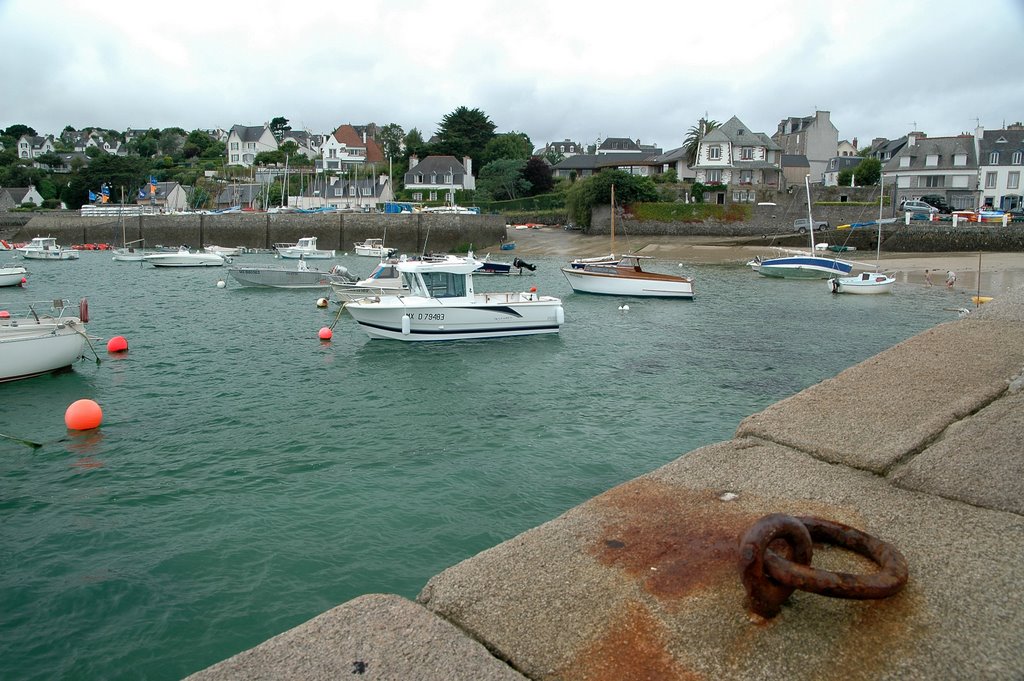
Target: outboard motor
[[521, 264], [343, 272]]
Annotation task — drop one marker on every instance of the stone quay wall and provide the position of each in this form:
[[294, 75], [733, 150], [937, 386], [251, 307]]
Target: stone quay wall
[[408, 233]]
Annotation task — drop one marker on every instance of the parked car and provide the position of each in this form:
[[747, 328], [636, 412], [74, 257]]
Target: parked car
[[918, 207], [938, 202], [801, 225]]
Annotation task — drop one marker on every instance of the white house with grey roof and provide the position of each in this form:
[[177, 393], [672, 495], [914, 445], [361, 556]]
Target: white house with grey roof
[[34, 146], [929, 166], [245, 141], [437, 178], [747, 162], [1000, 161]]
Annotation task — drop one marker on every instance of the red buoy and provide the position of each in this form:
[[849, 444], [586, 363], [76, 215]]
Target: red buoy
[[4, 314], [117, 344], [83, 415], [325, 333], [83, 310]]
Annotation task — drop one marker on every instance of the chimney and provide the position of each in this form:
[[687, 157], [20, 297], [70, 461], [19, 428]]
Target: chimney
[[468, 163], [854, 143], [413, 160]]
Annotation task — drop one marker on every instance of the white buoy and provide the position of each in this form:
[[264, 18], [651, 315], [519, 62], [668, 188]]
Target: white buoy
[[321, 302], [625, 308], [406, 325], [221, 283]]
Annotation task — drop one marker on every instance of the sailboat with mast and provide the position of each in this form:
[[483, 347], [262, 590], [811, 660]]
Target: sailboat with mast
[[130, 251], [624, 276], [800, 264], [867, 283]]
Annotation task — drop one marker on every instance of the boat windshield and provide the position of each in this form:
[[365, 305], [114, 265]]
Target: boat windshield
[[436, 284]]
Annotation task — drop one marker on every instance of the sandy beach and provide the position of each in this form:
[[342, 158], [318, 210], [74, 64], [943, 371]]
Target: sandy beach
[[999, 271]]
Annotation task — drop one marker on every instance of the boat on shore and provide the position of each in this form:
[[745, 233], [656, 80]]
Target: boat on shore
[[46, 248], [304, 248], [50, 336], [12, 275], [867, 283], [184, 258], [442, 304]]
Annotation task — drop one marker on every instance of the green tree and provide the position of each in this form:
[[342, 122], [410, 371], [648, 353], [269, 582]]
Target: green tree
[[538, 173], [596, 190], [691, 143], [390, 139], [50, 160], [414, 143], [514, 145], [464, 132], [216, 150], [553, 156], [503, 179], [279, 126], [844, 177], [266, 158], [18, 129], [868, 172]]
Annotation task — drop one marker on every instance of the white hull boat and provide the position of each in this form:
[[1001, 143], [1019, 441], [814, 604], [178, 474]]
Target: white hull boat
[[184, 258], [373, 248], [12, 275], [130, 252], [46, 248], [384, 280], [276, 276], [443, 305], [626, 278], [223, 251], [304, 248], [46, 339], [867, 283]]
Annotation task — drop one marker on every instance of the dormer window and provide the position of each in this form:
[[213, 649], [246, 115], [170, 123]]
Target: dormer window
[[931, 160], [993, 158], [959, 159], [904, 161], [1016, 159]]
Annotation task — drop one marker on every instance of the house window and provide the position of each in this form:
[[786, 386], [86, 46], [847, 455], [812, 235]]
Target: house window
[[351, 191], [990, 180], [747, 154], [714, 176], [934, 181], [417, 196], [993, 158], [366, 191], [448, 178], [433, 196], [959, 159], [1017, 158], [931, 160], [746, 176], [561, 148], [904, 162], [419, 178], [234, 158], [234, 146], [1013, 180], [714, 153]]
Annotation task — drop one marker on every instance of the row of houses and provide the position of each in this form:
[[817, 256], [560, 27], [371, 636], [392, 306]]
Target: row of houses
[[743, 166]]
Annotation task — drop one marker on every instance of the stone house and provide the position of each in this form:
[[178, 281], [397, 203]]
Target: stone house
[[1000, 160], [815, 137], [14, 197], [943, 166], [748, 163]]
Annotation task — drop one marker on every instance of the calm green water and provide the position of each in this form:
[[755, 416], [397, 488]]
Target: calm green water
[[248, 477]]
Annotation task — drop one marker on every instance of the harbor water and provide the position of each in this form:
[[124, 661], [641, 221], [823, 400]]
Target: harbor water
[[248, 476]]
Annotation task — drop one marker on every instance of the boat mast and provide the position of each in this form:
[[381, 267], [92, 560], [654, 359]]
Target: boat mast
[[613, 220], [810, 220], [881, 196]]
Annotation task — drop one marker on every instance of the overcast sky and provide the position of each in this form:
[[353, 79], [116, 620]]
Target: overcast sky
[[641, 69]]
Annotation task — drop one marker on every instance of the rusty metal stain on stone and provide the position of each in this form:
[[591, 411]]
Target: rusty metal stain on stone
[[632, 648], [674, 541]]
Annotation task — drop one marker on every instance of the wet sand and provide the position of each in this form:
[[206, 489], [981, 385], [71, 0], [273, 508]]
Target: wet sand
[[999, 271]]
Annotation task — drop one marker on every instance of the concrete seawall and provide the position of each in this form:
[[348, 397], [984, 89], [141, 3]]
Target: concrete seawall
[[919, 446], [407, 233]]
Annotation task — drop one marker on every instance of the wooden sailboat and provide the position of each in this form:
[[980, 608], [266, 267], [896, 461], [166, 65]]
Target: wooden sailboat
[[623, 275]]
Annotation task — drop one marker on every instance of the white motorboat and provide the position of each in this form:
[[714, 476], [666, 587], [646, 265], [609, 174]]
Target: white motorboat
[[373, 248], [50, 336], [47, 248], [304, 248], [223, 251], [384, 280], [12, 275], [184, 258], [442, 304], [626, 277], [277, 276], [132, 251]]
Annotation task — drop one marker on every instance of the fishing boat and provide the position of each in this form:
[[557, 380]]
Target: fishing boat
[[304, 248], [50, 336], [385, 279], [46, 248], [866, 283], [373, 248], [184, 258], [801, 264], [278, 276], [624, 275], [227, 252], [12, 275], [442, 304]]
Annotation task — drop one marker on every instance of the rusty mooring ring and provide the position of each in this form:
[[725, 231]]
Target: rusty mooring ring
[[769, 578]]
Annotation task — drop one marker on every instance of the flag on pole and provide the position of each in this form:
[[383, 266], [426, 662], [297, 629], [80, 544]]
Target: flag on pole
[[105, 190], [92, 195], [152, 185], [142, 194]]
